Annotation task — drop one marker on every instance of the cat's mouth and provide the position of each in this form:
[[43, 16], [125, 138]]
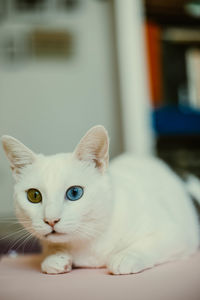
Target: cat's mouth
[[55, 233]]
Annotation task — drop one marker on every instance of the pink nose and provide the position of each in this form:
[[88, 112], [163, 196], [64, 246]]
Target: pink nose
[[51, 222]]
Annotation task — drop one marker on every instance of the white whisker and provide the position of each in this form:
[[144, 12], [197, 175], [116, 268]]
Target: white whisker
[[14, 233], [19, 239]]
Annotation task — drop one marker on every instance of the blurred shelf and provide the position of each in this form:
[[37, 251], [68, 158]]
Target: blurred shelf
[[180, 152], [170, 13], [175, 120], [178, 138], [173, 36]]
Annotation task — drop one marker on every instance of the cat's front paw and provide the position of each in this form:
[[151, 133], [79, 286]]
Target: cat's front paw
[[57, 264], [123, 263]]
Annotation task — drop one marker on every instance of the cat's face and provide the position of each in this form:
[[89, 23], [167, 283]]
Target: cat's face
[[61, 198]]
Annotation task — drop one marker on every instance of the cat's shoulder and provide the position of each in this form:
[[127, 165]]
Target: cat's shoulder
[[149, 167]]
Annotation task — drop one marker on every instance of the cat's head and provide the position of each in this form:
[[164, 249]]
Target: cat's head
[[63, 197]]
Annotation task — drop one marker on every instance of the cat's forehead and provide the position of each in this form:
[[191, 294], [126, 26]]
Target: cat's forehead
[[56, 167], [53, 162], [52, 172], [49, 170]]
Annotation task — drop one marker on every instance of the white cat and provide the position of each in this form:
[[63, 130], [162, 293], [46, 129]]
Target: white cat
[[129, 217]]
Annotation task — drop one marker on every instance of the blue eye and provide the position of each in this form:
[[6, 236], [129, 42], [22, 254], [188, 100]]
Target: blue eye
[[74, 193]]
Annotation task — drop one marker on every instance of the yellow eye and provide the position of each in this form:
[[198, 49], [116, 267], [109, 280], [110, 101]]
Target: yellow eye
[[34, 196]]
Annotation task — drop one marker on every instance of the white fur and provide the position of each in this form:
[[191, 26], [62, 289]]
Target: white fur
[[134, 216]]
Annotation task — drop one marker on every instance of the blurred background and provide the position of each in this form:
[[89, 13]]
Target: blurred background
[[67, 65]]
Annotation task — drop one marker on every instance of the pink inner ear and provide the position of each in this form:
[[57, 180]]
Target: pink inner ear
[[94, 147]]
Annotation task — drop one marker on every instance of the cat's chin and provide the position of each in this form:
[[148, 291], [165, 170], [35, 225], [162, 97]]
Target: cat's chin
[[57, 237]]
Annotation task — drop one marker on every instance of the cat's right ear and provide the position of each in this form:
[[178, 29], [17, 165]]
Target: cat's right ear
[[17, 153]]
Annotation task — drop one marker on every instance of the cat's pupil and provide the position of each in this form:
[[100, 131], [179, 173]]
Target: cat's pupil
[[74, 192], [35, 195]]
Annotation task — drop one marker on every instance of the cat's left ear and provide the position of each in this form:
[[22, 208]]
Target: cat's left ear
[[94, 147], [17, 153]]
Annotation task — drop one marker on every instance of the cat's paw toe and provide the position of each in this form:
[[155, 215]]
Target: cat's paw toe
[[127, 264], [56, 264]]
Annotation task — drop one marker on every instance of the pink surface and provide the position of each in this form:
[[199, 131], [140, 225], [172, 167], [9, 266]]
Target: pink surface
[[20, 278]]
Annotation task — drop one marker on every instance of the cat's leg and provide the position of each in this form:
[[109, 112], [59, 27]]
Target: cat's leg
[[57, 260], [128, 262], [146, 254]]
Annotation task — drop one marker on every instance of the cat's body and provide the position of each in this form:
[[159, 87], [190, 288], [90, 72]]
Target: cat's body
[[152, 218], [131, 217]]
